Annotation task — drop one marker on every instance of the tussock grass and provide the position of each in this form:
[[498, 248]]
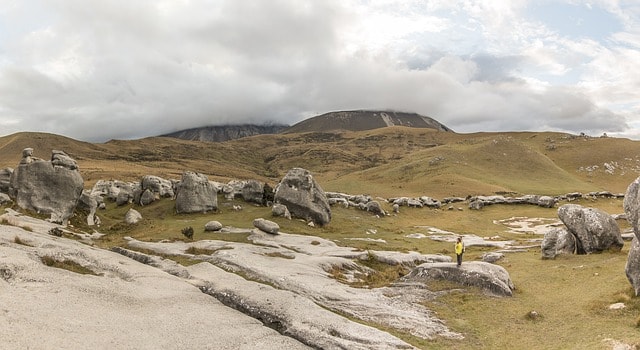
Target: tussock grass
[[66, 264]]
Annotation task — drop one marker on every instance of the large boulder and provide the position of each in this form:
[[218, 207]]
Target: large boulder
[[632, 268], [253, 192], [266, 226], [195, 194], [158, 186], [280, 210], [493, 279], [48, 187], [595, 230], [114, 190], [88, 204], [557, 241], [304, 198], [5, 179]]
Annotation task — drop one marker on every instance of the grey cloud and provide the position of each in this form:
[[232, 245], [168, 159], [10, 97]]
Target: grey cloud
[[134, 69]]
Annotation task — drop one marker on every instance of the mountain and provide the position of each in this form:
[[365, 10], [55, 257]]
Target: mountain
[[360, 120], [226, 132]]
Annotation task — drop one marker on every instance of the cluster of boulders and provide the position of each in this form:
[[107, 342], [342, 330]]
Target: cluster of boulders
[[586, 231]]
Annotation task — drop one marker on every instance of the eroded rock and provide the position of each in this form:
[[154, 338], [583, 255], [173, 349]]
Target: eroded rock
[[195, 194], [595, 230], [304, 198]]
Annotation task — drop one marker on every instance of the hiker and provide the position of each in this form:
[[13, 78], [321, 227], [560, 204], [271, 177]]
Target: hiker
[[459, 250]]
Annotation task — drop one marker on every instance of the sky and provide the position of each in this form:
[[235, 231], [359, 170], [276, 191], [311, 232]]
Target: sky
[[101, 70]]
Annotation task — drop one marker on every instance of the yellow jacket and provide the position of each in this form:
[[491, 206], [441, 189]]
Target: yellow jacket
[[459, 248]]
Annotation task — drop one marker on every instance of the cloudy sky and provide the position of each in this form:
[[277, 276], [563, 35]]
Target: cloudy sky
[[100, 70]]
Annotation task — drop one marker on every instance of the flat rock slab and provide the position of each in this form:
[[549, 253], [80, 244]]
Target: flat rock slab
[[127, 305]]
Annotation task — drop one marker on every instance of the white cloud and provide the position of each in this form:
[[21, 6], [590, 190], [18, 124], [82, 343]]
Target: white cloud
[[125, 69]]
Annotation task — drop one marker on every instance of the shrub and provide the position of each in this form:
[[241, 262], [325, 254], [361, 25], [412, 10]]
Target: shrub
[[188, 232], [55, 232]]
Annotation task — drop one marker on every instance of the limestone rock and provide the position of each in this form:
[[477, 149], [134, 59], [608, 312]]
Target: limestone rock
[[132, 217], [146, 197], [304, 198], [253, 192], [266, 226], [213, 226], [494, 279], [195, 194], [594, 229], [88, 204], [157, 186], [631, 206], [280, 210], [375, 208], [5, 179], [4, 198], [492, 257], [557, 241], [48, 187], [115, 191], [632, 269]]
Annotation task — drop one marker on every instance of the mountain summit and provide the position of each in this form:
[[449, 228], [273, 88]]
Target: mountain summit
[[360, 120]]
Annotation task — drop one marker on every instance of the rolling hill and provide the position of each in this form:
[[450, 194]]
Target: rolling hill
[[387, 161]]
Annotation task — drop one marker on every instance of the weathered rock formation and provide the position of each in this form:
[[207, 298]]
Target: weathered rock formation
[[557, 241], [595, 230], [49, 187], [88, 204], [631, 206], [5, 179], [632, 269], [304, 198], [266, 226], [195, 194], [494, 279], [132, 216], [160, 187], [115, 191], [280, 210]]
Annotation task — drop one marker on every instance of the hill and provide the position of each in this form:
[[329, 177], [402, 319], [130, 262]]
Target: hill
[[361, 120], [386, 162], [226, 132]]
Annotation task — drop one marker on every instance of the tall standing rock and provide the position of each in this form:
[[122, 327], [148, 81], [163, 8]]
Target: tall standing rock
[[195, 194], [595, 230], [49, 187], [631, 206], [304, 198], [5, 179]]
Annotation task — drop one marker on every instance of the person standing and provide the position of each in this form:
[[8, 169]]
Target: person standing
[[459, 248]]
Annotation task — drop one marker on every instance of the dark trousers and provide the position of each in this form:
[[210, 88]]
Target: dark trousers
[[459, 257]]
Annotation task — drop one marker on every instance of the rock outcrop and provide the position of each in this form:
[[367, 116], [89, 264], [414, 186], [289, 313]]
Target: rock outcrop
[[557, 241], [280, 210], [195, 194], [5, 179], [631, 206], [632, 269], [49, 187], [212, 226], [595, 230], [160, 187], [88, 204], [304, 198], [494, 279]]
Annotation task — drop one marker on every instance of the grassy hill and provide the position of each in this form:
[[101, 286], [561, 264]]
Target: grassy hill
[[386, 162]]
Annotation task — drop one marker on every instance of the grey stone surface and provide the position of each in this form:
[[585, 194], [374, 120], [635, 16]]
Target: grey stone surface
[[631, 206], [213, 226], [253, 191], [304, 198], [557, 241], [281, 211], [47, 187], [132, 216], [126, 305], [632, 269], [266, 226], [158, 186], [5, 179], [196, 194], [494, 279], [375, 208], [594, 229], [88, 204]]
